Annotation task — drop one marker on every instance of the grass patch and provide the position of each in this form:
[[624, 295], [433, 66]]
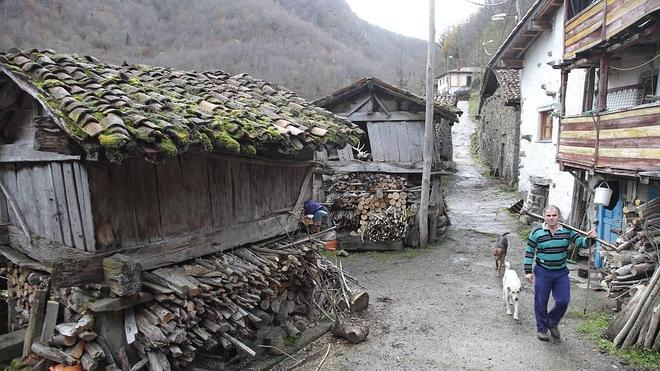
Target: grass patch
[[474, 104], [290, 341], [524, 231], [408, 252], [592, 326]]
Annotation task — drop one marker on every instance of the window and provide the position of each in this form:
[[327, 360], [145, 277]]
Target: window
[[545, 127], [469, 81]]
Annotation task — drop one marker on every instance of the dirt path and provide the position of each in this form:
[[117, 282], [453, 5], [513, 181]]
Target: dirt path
[[442, 307]]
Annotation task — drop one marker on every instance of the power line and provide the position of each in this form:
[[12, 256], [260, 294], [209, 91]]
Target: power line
[[484, 4]]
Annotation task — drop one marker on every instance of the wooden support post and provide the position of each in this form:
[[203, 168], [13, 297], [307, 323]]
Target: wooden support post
[[602, 82], [428, 133], [36, 320], [50, 321]]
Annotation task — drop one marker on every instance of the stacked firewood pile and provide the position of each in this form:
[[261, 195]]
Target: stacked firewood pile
[[631, 268], [376, 206], [230, 306], [24, 284]]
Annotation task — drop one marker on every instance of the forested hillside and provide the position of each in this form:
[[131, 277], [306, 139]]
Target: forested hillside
[[310, 46]]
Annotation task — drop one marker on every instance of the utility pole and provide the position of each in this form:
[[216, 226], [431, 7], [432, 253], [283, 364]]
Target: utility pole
[[428, 133]]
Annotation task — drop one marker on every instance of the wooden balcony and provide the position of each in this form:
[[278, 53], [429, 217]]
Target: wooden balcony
[[624, 142], [587, 30]]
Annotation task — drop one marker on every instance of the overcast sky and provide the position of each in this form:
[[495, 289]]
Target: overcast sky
[[410, 17]]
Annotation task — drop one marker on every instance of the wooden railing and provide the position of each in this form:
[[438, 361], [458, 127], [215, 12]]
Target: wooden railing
[[622, 142], [586, 29]]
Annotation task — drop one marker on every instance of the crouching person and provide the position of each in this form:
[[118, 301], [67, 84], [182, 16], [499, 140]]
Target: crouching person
[[317, 212]]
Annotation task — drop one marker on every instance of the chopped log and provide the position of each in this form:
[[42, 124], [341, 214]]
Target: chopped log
[[87, 336], [653, 327], [642, 269], [130, 326], [158, 361], [95, 351], [36, 320], [291, 329], [149, 330], [88, 363], [62, 341], [122, 357], [122, 274], [50, 321], [350, 332], [625, 270], [140, 364], [77, 350], [359, 300], [52, 354], [86, 322], [119, 303], [239, 344]]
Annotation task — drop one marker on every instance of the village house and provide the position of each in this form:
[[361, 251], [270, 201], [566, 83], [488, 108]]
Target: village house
[[453, 80], [392, 120], [533, 48], [562, 155], [162, 167], [498, 126], [608, 132]]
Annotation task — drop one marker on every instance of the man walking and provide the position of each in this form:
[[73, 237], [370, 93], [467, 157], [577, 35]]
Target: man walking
[[548, 245]]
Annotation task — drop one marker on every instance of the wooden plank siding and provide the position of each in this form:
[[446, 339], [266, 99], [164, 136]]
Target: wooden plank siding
[[396, 141], [137, 203], [585, 30], [624, 142], [51, 201]]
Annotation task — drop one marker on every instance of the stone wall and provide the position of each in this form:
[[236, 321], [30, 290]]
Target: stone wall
[[499, 137], [443, 140]]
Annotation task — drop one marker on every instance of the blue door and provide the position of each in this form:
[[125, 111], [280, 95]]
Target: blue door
[[610, 216]]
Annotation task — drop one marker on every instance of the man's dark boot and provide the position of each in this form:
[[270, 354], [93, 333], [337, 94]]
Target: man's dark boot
[[554, 331]]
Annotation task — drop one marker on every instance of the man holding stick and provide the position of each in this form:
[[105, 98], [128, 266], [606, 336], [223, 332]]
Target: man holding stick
[[548, 245]]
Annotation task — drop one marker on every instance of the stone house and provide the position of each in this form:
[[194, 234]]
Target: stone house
[[498, 126]]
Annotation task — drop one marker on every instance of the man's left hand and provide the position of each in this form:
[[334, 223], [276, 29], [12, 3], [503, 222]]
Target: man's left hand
[[592, 233]]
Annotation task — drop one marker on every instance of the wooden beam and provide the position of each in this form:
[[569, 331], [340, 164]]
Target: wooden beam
[[382, 116], [49, 137], [22, 260], [175, 250], [540, 25], [602, 82], [36, 320], [377, 167], [27, 153], [511, 63], [119, 303]]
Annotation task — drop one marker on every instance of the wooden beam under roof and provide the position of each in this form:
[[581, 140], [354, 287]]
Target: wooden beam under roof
[[511, 63], [540, 25]]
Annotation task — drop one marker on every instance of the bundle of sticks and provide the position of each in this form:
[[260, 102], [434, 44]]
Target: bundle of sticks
[[631, 274], [233, 305], [376, 206]]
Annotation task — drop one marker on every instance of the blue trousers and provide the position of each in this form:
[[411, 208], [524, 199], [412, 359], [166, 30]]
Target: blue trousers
[[545, 282]]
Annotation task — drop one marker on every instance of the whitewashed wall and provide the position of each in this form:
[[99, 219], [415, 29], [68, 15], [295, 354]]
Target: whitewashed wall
[[538, 158]]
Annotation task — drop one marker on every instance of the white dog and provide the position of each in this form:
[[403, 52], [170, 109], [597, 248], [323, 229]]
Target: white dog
[[511, 285]]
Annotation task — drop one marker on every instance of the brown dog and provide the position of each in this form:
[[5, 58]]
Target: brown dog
[[499, 252]]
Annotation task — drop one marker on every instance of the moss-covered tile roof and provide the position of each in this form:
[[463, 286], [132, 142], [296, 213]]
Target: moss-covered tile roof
[[158, 112]]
